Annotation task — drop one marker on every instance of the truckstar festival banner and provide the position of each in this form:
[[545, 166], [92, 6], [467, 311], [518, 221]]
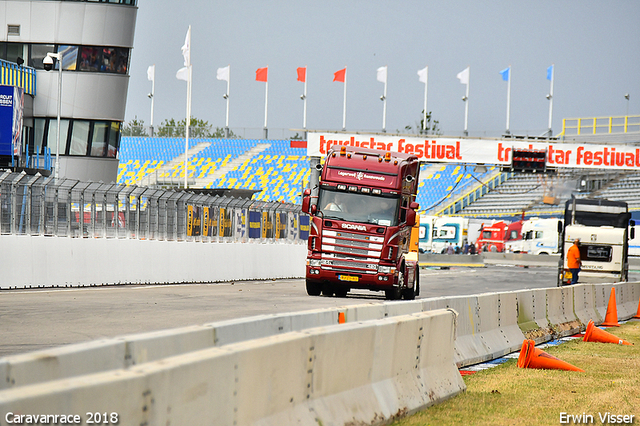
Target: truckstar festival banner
[[482, 151]]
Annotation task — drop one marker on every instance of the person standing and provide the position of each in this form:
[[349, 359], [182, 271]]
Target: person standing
[[573, 260], [450, 249]]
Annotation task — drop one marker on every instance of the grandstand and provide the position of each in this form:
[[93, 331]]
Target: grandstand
[[273, 167], [545, 195], [279, 172]]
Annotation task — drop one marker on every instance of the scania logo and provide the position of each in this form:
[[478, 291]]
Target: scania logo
[[360, 175], [354, 227]]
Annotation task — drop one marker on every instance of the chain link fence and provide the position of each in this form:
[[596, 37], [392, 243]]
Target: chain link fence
[[38, 205]]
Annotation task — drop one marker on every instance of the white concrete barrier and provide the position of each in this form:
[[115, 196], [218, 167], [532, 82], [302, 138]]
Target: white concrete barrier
[[585, 304], [357, 373], [60, 261], [487, 326]]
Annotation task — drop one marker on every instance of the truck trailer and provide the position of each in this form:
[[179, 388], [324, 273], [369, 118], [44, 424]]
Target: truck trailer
[[362, 216]]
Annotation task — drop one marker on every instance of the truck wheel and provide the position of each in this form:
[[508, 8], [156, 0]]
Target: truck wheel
[[313, 288], [393, 294], [418, 282], [341, 291], [410, 293], [327, 290]]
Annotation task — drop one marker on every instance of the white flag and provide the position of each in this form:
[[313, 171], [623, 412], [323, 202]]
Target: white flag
[[183, 74], [223, 73], [463, 76], [382, 75], [186, 48], [151, 73], [422, 74]]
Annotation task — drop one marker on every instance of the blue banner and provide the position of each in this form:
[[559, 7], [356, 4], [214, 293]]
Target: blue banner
[[303, 220], [11, 99], [254, 224]]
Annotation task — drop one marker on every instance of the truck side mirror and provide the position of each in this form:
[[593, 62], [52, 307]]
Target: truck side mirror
[[411, 217], [306, 200], [559, 227]]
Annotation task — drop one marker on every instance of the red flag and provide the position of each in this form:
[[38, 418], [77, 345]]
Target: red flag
[[339, 75], [261, 74], [302, 74]]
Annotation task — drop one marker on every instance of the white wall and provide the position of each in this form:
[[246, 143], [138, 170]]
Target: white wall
[[28, 261]]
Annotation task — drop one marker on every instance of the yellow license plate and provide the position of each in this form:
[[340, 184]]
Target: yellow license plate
[[348, 278]]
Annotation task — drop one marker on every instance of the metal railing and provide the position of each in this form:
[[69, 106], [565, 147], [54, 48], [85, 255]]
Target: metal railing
[[12, 74], [600, 125], [37, 205]]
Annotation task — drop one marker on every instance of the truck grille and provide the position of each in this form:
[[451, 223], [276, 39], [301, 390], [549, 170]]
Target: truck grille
[[351, 252]]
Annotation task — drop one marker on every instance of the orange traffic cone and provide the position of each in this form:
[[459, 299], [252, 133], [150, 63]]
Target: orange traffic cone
[[594, 334], [611, 319], [532, 357], [638, 314]]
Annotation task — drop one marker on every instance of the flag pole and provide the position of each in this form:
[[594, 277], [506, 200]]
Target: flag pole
[[226, 128], [466, 104], [186, 133], [550, 96], [304, 104], [508, 100], [424, 112], [153, 93], [384, 104], [344, 105], [266, 104]]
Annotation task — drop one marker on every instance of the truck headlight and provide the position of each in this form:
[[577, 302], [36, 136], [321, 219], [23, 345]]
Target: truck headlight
[[386, 269], [314, 262]]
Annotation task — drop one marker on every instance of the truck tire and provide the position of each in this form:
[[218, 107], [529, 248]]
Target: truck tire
[[328, 290], [393, 294], [410, 293], [341, 291], [313, 288]]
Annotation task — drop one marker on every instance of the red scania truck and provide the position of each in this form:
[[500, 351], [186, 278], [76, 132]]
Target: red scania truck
[[363, 213]]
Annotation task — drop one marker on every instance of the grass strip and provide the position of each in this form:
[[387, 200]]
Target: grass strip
[[508, 395]]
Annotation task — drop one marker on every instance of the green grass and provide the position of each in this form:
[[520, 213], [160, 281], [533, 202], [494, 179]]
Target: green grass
[[508, 395]]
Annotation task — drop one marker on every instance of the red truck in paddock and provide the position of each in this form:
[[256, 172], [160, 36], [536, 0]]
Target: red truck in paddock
[[499, 236], [363, 217]]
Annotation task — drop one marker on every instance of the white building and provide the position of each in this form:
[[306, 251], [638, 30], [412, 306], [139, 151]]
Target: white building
[[96, 40]]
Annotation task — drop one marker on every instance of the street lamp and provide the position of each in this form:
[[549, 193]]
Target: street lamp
[[48, 66]]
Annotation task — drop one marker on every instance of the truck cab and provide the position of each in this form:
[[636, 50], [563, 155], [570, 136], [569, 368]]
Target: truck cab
[[541, 236], [361, 224], [604, 230]]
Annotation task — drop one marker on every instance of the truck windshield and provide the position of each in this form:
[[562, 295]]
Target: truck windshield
[[355, 207]]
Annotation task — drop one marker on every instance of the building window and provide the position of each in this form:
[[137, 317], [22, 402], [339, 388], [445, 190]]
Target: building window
[[52, 135], [74, 58], [99, 139], [78, 137], [38, 53], [69, 57]]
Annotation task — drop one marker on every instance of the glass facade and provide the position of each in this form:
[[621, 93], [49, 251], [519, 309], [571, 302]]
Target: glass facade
[[127, 2], [92, 138], [74, 58]]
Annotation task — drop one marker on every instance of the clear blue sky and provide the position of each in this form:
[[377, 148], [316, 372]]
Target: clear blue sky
[[593, 44]]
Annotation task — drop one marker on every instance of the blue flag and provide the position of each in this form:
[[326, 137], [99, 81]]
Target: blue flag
[[505, 73], [549, 72]]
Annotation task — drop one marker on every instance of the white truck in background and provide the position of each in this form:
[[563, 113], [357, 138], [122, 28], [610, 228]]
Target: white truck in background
[[540, 236], [449, 230], [604, 229], [426, 233]]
